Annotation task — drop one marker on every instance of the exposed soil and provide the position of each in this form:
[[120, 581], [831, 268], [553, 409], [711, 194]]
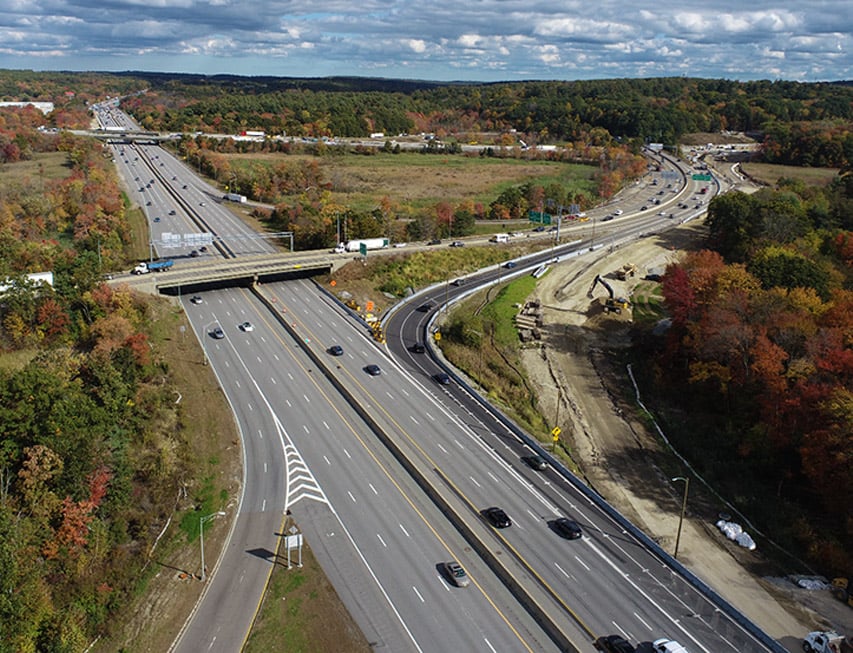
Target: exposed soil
[[625, 460]]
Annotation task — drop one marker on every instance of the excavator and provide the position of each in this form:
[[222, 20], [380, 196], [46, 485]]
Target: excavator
[[611, 304]]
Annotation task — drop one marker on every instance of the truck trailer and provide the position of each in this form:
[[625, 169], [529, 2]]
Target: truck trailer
[[235, 197], [369, 243], [152, 266]]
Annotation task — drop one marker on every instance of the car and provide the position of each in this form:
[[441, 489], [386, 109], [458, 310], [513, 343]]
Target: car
[[457, 243], [668, 646], [336, 350], [417, 348], [195, 299], [372, 370], [246, 326], [442, 378], [203, 248], [194, 254], [567, 528], [644, 208], [174, 177], [184, 186], [426, 307], [539, 229], [217, 333], [613, 644], [434, 241], [458, 282], [618, 212], [497, 517], [653, 277], [536, 462], [554, 228], [456, 574], [202, 204], [172, 212], [509, 265], [157, 219], [607, 218], [148, 203]]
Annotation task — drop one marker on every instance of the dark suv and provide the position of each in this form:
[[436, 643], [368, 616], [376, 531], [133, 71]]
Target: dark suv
[[614, 644]]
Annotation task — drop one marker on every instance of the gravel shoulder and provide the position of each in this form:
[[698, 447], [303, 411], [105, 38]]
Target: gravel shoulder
[[625, 461]]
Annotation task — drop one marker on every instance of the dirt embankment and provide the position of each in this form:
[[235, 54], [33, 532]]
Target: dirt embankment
[[621, 457]]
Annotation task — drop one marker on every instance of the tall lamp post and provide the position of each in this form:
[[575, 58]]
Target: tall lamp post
[[201, 522], [683, 508]]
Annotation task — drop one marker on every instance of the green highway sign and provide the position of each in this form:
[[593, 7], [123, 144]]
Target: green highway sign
[[702, 177], [539, 216]]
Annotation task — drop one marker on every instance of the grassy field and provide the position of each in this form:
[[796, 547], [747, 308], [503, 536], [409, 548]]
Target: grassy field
[[769, 174], [420, 180], [53, 165]]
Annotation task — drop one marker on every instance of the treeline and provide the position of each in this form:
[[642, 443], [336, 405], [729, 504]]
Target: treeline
[[760, 359], [659, 109], [90, 447]]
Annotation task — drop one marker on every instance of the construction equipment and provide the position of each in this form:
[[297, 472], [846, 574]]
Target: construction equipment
[[627, 270], [842, 590], [611, 304]]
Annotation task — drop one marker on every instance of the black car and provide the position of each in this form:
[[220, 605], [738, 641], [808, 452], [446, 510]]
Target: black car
[[509, 265], [435, 241], [536, 462], [614, 644], [372, 370], [458, 282], [336, 350], [567, 528], [194, 253], [497, 517], [417, 348], [425, 307], [457, 243], [442, 378], [607, 218], [539, 229]]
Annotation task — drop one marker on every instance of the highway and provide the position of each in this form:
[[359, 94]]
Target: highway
[[295, 424], [377, 535], [607, 581]]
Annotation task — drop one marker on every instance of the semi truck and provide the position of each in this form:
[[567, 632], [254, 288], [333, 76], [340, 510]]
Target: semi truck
[[152, 266], [369, 243], [235, 197]]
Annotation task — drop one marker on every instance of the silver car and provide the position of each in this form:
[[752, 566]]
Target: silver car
[[456, 574]]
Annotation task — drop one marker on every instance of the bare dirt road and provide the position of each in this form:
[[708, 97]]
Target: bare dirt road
[[623, 459]]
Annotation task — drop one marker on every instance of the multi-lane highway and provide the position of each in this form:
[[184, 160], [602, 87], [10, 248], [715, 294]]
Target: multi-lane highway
[[374, 495]]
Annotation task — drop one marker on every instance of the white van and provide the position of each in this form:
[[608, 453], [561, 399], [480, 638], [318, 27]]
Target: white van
[[499, 238]]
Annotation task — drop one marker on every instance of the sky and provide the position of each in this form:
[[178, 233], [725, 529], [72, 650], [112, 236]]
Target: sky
[[440, 40]]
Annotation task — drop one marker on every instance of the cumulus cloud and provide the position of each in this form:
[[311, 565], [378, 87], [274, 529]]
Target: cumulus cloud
[[483, 41]]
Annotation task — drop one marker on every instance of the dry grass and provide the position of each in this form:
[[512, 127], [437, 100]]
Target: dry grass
[[419, 179], [769, 174]]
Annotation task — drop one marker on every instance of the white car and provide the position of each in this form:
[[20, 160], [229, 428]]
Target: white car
[[247, 326], [618, 212], [668, 646]]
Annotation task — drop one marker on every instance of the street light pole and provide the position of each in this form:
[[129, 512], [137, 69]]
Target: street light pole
[[201, 539], [683, 509]]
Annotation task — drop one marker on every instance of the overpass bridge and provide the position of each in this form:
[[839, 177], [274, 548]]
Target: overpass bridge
[[194, 274]]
